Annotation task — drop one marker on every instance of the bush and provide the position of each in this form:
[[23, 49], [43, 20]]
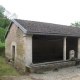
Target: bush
[[2, 44], [2, 52], [2, 49]]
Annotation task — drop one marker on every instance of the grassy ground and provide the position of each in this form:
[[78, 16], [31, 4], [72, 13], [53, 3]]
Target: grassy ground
[[6, 69]]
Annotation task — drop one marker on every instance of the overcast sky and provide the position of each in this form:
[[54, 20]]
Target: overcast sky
[[54, 11]]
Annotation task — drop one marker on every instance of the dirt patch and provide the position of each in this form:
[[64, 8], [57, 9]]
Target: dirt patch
[[6, 77]]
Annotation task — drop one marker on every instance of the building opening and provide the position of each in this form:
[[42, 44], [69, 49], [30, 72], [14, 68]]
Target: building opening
[[13, 53], [71, 44], [47, 48]]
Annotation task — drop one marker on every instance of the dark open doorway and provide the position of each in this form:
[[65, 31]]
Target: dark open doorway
[[71, 44], [47, 48], [13, 53]]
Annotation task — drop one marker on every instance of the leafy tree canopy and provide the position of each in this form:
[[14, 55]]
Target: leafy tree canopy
[[76, 24], [4, 23], [5, 17], [2, 33], [2, 9]]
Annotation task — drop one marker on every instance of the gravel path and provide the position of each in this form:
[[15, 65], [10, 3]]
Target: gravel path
[[70, 73]]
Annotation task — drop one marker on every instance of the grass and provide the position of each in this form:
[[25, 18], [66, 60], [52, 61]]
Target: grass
[[6, 69]]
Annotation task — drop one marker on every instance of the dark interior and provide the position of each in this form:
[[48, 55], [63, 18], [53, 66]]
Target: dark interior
[[47, 48], [71, 44], [50, 48]]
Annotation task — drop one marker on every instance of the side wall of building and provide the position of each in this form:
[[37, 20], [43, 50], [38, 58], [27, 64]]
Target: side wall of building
[[28, 49], [21, 43]]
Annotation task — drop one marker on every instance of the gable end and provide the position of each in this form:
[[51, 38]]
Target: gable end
[[21, 27], [18, 25]]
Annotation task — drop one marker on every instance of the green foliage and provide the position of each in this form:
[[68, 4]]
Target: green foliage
[[6, 69], [2, 44], [76, 24], [2, 34], [2, 9], [4, 23], [2, 54], [2, 50]]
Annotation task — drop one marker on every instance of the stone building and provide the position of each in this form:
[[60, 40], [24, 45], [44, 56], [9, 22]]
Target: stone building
[[30, 44]]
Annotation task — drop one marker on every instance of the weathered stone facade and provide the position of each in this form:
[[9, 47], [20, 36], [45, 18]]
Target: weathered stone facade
[[22, 43]]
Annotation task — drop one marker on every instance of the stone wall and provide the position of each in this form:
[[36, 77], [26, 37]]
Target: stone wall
[[51, 66], [15, 37]]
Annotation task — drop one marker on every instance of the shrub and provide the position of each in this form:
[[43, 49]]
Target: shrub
[[2, 44], [2, 49]]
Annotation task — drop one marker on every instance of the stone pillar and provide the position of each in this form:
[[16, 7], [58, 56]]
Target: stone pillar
[[78, 48], [64, 48], [28, 49]]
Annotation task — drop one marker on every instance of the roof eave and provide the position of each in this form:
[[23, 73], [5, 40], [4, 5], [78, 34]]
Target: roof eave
[[21, 27], [55, 34], [18, 25]]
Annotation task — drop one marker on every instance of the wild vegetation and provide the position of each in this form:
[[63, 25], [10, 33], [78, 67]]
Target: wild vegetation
[[76, 24], [4, 22], [5, 69]]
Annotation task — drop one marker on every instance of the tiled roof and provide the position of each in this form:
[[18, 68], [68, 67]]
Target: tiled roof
[[33, 27]]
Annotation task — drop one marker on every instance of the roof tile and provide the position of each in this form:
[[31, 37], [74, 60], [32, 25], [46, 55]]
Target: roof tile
[[49, 28]]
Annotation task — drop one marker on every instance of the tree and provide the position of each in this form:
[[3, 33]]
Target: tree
[[2, 9], [10, 15], [5, 18], [76, 24], [4, 21], [2, 33]]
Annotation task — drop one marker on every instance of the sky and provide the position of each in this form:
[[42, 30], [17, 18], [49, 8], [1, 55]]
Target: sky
[[53, 11]]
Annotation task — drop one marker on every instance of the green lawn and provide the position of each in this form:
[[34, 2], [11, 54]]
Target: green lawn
[[6, 69]]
